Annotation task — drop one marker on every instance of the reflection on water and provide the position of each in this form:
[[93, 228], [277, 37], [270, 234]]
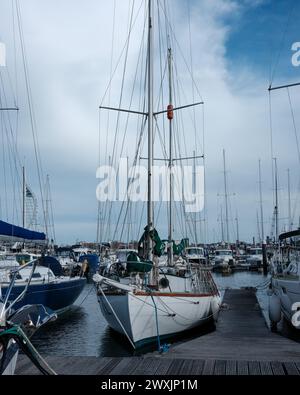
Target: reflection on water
[[83, 330]]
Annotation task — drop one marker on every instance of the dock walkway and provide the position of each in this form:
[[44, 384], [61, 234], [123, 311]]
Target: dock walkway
[[241, 334], [241, 345]]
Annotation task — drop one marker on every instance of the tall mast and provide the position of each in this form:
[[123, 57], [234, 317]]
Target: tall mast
[[237, 228], [226, 198], [222, 225], [258, 228], [195, 214], [171, 198], [150, 126], [261, 205], [24, 197], [289, 204], [276, 201]]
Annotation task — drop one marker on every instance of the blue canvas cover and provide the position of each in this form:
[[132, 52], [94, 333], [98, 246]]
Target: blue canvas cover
[[14, 231]]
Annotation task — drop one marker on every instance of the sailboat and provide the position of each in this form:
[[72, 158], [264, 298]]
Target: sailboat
[[47, 286], [139, 298], [17, 325], [284, 292], [285, 280]]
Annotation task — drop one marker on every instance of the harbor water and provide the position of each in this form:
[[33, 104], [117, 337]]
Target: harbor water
[[83, 331]]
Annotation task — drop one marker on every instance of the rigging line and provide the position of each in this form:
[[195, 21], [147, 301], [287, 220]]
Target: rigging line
[[99, 160], [127, 120], [165, 156], [174, 311], [149, 304], [129, 189], [15, 53], [128, 183], [13, 136], [205, 210], [271, 145], [296, 203], [179, 124], [192, 69], [272, 72], [297, 145], [11, 156], [181, 52], [122, 87], [109, 91], [118, 116], [4, 165], [161, 95], [116, 316], [51, 214], [180, 88], [121, 55], [31, 111], [120, 101], [294, 124]]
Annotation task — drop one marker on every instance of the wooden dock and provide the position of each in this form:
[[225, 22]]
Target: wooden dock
[[241, 334], [241, 345]]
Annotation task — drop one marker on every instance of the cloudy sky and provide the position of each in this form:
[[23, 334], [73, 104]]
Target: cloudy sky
[[238, 48]]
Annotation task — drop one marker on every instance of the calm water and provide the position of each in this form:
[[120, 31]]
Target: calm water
[[83, 330]]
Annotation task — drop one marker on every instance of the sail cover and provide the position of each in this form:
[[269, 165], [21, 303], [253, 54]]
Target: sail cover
[[16, 232]]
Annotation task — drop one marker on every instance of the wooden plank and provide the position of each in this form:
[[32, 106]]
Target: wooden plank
[[266, 369], [208, 368], [77, 365], [186, 367], [242, 368], [254, 368], [110, 364], [163, 366], [277, 368], [231, 368], [298, 365], [126, 366], [197, 368], [220, 367], [291, 369], [175, 366], [147, 366]]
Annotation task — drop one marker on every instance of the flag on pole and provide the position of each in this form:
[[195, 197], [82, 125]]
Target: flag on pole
[[2, 54]]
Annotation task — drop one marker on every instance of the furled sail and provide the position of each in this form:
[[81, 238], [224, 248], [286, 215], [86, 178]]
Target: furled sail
[[16, 232]]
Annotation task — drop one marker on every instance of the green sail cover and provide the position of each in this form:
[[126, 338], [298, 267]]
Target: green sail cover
[[178, 248], [160, 245]]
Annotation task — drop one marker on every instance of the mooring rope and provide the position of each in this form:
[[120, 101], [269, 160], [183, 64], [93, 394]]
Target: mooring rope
[[117, 318]]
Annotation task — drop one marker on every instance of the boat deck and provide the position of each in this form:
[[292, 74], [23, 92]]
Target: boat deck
[[242, 344]]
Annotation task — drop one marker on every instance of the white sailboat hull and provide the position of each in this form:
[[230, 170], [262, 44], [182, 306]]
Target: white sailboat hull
[[175, 313], [288, 291]]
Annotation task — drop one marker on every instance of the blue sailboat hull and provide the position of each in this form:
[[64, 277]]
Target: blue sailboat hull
[[58, 296]]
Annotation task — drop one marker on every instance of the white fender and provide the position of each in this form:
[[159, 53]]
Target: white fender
[[274, 309], [215, 305]]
